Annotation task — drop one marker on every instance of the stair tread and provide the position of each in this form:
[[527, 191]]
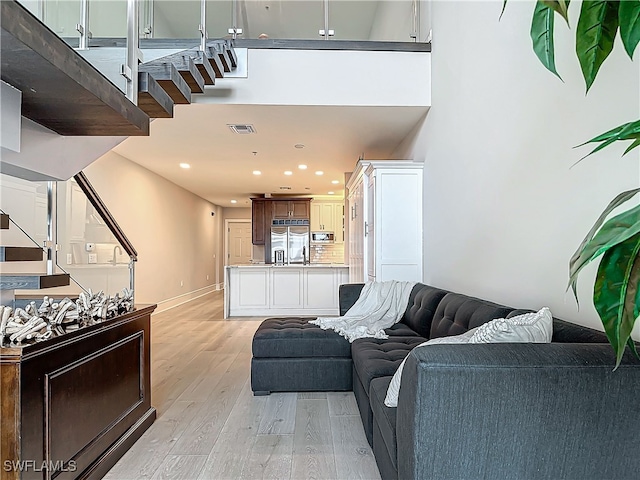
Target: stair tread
[[204, 66], [187, 69], [34, 281], [168, 77], [4, 221], [214, 60], [152, 98], [21, 254]]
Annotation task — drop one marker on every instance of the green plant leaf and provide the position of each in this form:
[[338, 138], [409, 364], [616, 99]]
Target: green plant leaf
[[616, 293], [560, 6], [579, 259], [597, 27], [542, 36], [614, 231], [627, 131], [629, 19], [635, 144], [504, 5]]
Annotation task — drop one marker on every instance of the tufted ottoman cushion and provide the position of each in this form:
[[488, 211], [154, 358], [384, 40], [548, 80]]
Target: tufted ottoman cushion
[[292, 355], [296, 337]]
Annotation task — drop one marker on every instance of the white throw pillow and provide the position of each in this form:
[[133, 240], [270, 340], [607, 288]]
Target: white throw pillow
[[534, 327]]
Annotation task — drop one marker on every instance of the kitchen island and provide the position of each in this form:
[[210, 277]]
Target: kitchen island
[[282, 290]]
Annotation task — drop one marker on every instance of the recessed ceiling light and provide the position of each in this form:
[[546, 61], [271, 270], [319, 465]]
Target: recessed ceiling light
[[319, 172], [185, 165], [257, 172], [330, 193], [234, 201], [288, 172], [302, 167], [299, 145], [335, 182]]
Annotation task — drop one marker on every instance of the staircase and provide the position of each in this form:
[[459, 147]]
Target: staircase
[[65, 93], [171, 80], [9, 283]]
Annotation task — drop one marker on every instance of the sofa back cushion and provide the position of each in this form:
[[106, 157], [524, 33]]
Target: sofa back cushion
[[457, 313], [421, 307]]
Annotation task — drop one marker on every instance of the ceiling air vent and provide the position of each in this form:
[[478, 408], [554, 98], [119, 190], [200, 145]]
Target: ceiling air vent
[[285, 188], [242, 129]]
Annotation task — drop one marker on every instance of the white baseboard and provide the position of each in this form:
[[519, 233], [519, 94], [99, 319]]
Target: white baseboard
[[170, 303]]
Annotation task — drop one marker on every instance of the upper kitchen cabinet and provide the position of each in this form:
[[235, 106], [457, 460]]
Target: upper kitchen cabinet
[[298, 208], [328, 216], [322, 216], [260, 220], [384, 208]]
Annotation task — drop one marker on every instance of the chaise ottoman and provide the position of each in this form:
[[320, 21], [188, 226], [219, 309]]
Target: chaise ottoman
[[292, 355]]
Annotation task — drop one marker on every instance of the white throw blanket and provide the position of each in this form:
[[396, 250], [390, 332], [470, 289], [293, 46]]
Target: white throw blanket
[[379, 306]]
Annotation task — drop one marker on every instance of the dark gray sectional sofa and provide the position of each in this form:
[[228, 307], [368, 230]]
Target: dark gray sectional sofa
[[494, 411]]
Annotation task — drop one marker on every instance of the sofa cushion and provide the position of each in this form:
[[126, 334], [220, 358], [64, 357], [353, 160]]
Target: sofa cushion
[[421, 308], [374, 357], [401, 330], [457, 313], [384, 416], [297, 338]]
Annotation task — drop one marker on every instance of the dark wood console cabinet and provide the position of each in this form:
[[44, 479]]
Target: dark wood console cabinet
[[74, 404]]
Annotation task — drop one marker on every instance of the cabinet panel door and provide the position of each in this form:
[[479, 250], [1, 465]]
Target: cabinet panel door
[[280, 209], [321, 289], [338, 222], [286, 288], [258, 222], [327, 218], [316, 217], [299, 208]]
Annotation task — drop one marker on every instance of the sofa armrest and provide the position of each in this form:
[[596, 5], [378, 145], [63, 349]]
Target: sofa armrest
[[348, 293], [518, 411]]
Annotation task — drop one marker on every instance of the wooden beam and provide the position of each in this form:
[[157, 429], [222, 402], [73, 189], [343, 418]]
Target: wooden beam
[[60, 89]]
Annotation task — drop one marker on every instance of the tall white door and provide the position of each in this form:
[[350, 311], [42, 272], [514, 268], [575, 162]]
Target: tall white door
[[239, 243]]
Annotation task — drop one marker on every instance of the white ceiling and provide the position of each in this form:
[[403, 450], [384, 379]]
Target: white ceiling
[[222, 161]]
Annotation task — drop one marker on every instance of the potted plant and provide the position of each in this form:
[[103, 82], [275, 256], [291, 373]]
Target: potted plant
[[614, 241]]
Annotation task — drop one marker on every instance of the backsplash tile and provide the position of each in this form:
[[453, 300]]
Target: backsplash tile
[[327, 253]]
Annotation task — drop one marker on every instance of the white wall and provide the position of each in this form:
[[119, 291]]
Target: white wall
[[327, 77], [504, 211], [177, 238]]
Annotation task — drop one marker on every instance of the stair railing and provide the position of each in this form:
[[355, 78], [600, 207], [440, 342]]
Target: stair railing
[[80, 238]]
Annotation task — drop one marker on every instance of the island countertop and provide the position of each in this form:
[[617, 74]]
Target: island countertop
[[293, 265], [259, 290]]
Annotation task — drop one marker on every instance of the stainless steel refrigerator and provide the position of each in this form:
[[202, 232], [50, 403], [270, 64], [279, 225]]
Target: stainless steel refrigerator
[[290, 244]]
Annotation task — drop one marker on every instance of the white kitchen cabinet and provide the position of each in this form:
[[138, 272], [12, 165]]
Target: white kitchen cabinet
[[338, 218], [323, 216], [385, 221], [267, 290]]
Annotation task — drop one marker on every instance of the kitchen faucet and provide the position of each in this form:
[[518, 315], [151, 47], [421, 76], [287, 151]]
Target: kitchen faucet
[[114, 259]]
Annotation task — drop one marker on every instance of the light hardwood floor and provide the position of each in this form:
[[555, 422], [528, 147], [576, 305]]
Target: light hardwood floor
[[210, 426]]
